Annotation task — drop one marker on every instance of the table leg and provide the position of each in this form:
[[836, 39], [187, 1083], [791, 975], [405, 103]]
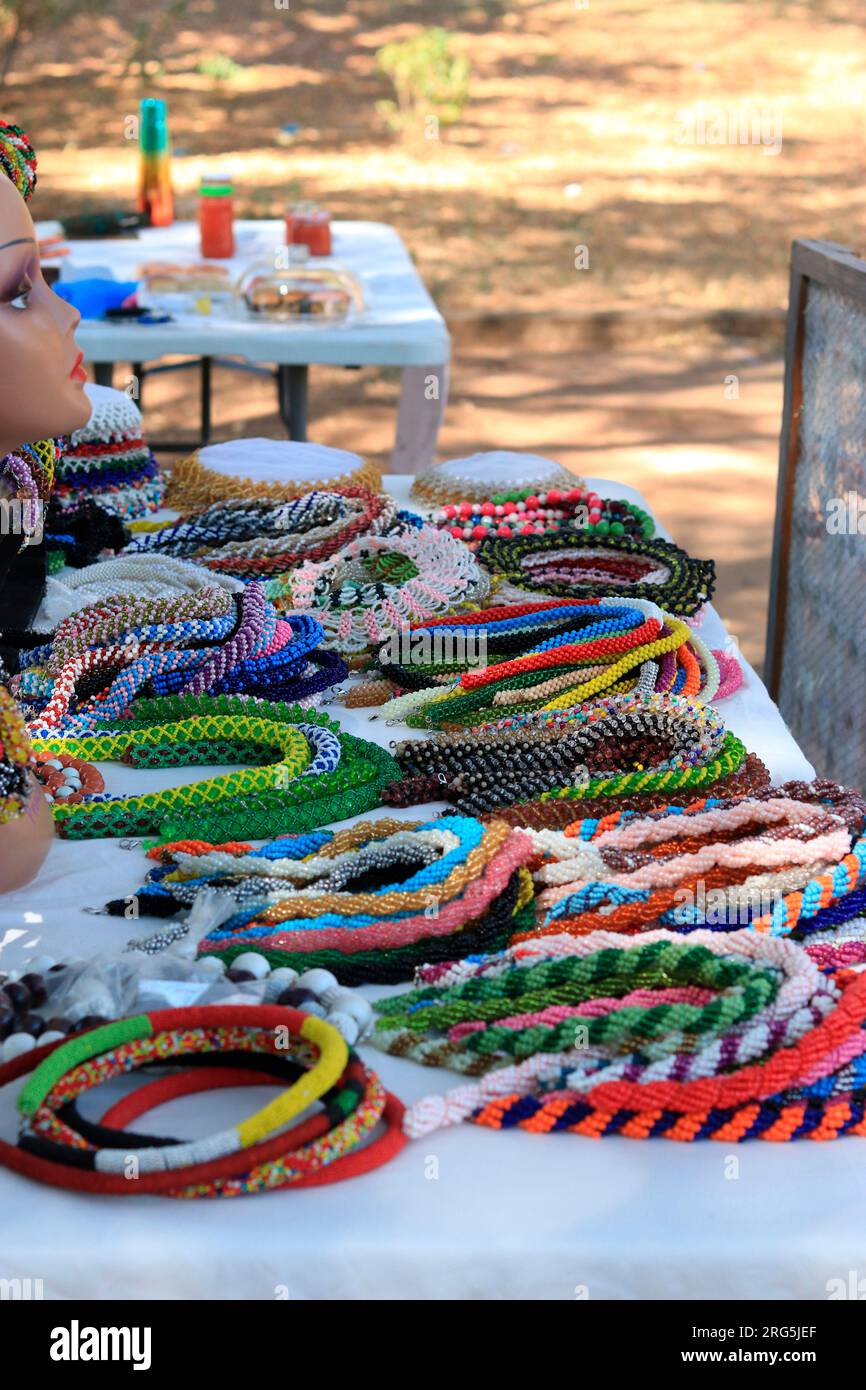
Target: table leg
[[103, 373], [205, 401], [292, 393], [423, 397]]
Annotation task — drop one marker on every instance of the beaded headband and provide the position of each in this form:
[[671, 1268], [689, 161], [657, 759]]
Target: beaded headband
[[17, 158]]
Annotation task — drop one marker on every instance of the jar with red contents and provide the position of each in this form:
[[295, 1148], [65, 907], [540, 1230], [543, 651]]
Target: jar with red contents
[[309, 226], [216, 217]]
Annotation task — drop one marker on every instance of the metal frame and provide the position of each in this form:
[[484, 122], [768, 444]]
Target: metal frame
[[292, 393], [838, 268]]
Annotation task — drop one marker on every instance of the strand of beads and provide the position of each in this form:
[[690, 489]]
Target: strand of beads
[[559, 673], [578, 564], [523, 512], [618, 747], [751, 779]]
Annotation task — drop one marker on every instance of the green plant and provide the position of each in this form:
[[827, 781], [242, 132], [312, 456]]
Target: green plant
[[20, 20], [429, 78], [219, 67], [149, 36]]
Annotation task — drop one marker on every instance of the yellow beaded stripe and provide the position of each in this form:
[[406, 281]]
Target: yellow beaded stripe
[[678, 636], [259, 733], [333, 1056]]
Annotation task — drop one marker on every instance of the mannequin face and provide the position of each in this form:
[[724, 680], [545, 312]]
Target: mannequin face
[[42, 377]]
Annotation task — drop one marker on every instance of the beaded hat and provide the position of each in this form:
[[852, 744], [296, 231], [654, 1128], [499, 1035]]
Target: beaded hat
[[17, 158], [110, 460], [274, 469]]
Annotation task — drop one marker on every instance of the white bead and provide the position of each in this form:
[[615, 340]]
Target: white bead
[[51, 1036], [346, 1026], [16, 1044], [346, 1001], [211, 966], [284, 975], [54, 762], [252, 961], [37, 965], [63, 792], [316, 980], [500, 510]]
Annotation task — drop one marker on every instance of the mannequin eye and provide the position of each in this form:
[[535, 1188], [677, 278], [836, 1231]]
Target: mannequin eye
[[21, 299]]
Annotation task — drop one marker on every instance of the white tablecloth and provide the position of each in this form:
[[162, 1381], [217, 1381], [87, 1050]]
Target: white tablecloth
[[468, 1213], [400, 325]]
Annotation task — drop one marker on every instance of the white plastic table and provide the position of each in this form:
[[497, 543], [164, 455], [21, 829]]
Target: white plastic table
[[400, 325], [466, 1214]]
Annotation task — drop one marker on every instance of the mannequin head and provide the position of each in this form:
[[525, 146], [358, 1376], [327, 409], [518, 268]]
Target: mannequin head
[[43, 379]]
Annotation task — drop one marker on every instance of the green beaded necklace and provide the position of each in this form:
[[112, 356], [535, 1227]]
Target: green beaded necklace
[[270, 799]]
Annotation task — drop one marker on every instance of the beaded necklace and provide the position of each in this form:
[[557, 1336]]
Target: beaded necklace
[[377, 584], [293, 788], [15, 759], [801, 1082], [439, 883], [525, 512], [248, 538], [252, 1156], [580, 564]]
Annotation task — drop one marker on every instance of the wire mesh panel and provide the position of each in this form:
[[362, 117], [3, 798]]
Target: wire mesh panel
[[816, 660]]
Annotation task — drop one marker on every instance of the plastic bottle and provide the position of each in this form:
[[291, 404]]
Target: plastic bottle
[[155, 198]]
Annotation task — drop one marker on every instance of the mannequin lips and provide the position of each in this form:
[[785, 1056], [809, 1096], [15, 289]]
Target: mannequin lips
[[78, 373]]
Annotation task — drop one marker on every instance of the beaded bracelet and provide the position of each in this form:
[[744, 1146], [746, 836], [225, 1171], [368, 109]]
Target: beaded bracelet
[[578, 564], [255, 1167]]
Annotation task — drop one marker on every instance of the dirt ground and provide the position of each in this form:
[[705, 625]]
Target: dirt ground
[[668, 422], [590, 124], [670, 148]]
